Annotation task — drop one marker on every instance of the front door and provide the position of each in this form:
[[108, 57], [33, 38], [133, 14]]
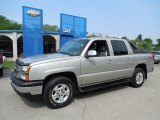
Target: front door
[[94, 69]]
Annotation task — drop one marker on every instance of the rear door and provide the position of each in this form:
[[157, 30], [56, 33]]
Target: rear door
[[121, 59]]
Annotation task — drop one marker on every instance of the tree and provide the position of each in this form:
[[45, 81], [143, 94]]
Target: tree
[[147, 44], [6, 24], [139, 37], [134, 43], [139, 42], [157, 46], [124, 37], [158, 41], [53, 28], [148, 40]]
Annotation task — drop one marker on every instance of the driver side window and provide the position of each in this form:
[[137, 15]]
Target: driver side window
[[100, 46]]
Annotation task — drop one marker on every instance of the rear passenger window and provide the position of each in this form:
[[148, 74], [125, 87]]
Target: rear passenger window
[[119, 47]]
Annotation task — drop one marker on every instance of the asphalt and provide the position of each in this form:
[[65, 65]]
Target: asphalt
[[120, 102]]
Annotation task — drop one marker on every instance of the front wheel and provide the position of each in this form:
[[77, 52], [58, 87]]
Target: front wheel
[[138, 78], [58, 92]]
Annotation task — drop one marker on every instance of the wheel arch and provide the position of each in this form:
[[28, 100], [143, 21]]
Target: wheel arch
[[68, 74], [144, 67]]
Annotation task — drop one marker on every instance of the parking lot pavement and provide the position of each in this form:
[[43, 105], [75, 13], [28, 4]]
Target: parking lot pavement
[[116, 103]]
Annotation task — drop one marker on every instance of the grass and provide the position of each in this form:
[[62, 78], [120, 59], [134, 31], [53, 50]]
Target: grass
[[8, 64]]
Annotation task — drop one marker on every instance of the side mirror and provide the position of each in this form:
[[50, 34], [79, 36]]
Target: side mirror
[[91, 53]]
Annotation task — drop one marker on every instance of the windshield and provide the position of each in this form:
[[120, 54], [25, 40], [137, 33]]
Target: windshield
[[73, 47]]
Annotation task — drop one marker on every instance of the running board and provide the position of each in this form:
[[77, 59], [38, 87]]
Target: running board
[[103, 85]]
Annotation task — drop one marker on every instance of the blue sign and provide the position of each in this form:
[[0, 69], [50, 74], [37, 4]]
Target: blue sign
[[32, 31], [72, 27]]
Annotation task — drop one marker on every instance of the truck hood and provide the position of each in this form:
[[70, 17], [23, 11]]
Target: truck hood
[[43, 57]]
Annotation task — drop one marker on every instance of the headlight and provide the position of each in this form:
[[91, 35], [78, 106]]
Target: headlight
[[24, 68], [22, 75], [24, 72]]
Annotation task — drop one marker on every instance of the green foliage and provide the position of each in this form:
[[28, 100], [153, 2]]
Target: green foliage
[[138, 43], [6, 24], [124, 37], [134, 43], [158, 40], [157, 46], [8, 64], [147, 44], [53, 28], [139, 37]]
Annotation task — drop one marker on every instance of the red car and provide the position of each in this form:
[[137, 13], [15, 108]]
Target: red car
[[1, 62]]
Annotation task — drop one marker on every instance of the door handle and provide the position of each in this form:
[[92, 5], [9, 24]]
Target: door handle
[[110, 61], [127, 60]]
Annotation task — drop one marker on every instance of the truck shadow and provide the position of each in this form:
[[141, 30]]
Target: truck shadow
[[33, 101], [37, 102]]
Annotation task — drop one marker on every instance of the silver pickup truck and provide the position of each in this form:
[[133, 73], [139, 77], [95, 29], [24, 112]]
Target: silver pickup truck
[[81, 65]]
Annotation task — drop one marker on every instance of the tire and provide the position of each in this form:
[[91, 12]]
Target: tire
[[138, 78], [1, 72], [58, 92]]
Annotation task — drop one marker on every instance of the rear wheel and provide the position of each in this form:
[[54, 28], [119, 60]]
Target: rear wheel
[[58, 92], [138, 78]]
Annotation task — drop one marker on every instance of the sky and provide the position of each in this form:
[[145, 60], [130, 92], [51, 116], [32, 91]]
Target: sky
[[115, 18]]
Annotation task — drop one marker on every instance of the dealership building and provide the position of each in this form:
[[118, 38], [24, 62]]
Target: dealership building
[[11, 43], [33, 40]]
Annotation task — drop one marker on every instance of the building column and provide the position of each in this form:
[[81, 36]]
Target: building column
[[57, 37], [14, 41]]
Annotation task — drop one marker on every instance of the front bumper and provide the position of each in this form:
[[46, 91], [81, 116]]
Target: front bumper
[[26, 87]]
